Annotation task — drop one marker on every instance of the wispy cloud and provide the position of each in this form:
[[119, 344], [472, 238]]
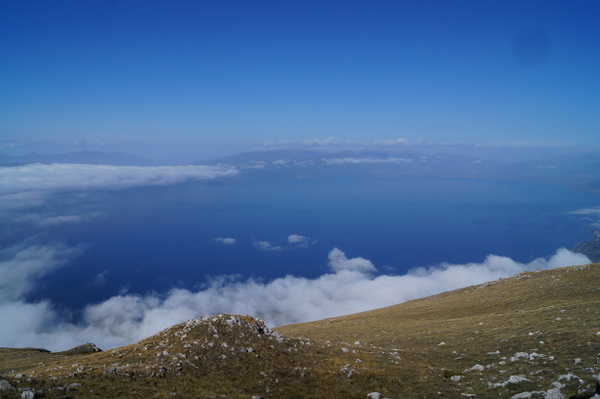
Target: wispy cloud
[[590, 215], [100, 278], [21, 266], [80, 176], [45, 219], [351, 286], [225, 240], [586, 212], [297, 239], [267, 246], [26, 185]]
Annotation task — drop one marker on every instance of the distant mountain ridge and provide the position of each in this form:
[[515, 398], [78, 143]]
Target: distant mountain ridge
[[533, 335], [574, 168]]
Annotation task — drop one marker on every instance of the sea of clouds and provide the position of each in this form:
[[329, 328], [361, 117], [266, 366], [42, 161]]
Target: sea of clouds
[[352, 284]]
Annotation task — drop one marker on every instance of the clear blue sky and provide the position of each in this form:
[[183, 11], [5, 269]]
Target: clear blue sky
[[230, 72]]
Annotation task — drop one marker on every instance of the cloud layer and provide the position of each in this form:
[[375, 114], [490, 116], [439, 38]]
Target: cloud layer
[[352, 285], [26, 185]]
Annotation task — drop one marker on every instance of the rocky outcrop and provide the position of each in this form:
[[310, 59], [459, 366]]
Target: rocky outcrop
[[83, 349], [591, 248]]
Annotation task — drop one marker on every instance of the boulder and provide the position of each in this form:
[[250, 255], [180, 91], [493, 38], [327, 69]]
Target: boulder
[[555, 393]]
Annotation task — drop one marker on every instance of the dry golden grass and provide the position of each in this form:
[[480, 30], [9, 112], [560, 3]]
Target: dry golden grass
[[539, 327], [553, 313]]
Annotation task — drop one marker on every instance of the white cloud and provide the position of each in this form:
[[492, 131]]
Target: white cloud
[[398, 141], [20, 266], [100, 278], [45, 220], [225, 240], [322, 142], [28, 184], [339, 262], [297, 239], [586, 212], [590, 215], [267, 246], [350, 287]]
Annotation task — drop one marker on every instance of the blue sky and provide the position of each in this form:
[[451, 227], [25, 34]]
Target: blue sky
[[213, 77]]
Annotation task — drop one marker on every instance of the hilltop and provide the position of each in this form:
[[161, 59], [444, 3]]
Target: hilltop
[[534, 335]]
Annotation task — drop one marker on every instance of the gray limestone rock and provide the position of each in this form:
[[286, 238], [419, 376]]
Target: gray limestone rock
[[5, 385], [555, 394]]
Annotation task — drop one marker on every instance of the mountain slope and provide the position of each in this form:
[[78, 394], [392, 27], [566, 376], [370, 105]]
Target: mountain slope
[[532, 335], [537, 325]]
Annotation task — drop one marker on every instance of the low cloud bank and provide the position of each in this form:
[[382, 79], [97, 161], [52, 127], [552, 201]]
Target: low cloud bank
[[351, 286], [26, 185]]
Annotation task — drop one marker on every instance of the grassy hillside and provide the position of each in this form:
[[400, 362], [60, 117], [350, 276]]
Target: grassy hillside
[[525, 336], [542, 326]]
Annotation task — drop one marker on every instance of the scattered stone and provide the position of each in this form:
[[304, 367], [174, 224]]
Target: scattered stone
[[477, 367], [522, 395], [73, 385], [5, 385], [513, 379], [27, 393], [569, 377], [374, 395], [345, 369], [555, 393]]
